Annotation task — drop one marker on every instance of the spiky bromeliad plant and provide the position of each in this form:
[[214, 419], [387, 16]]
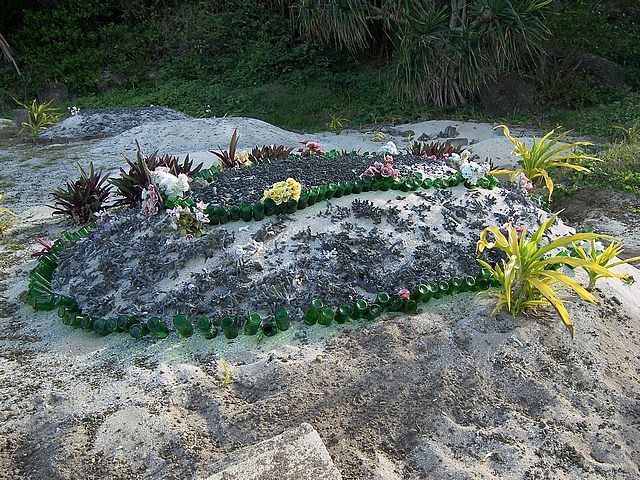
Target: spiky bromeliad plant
[[431, 149], [228, 158], [6, 217], [605, 258], [543, 155], [268, 153], [41, 116], [132, 182], [527, 279], [83, 198]]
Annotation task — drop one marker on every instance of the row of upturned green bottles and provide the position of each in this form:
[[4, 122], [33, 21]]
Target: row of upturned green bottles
[[258, 211]]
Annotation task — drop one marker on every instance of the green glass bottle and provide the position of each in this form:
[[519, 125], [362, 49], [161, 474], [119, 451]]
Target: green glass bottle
[[229, 327], [357, 187], [223, 215], [252, 325], [410, 307], [205, 327], [211, 211], [313, 196], [111, 325], [322, 193], [482, 284], [396, 304], [343, 313], [246, 211], [183, 326], [234, 213], [457, 285], [269, 327], [269, 207], [359, 309], [124, 322], [348, 187], [332, 188], [282, 320], [493, 182], [427, 183], [383, 299], [437, 183], [470, 283], [303, 201], [374, 312], [366, 184], [87, 323], [399, 185], [100, 326], [326, 317], [138, 330], [161, 331], [152, 323], [339, 192], [258, 212], [385, 184], [483, 183], [292, 206], [421, 293], [443, 288], [69, 318], [312, 314], [433, 289]]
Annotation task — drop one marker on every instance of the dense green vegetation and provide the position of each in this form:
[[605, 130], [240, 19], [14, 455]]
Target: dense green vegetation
[[243, 57]]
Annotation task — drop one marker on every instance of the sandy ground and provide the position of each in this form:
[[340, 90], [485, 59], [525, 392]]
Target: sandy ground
[[450, 393]]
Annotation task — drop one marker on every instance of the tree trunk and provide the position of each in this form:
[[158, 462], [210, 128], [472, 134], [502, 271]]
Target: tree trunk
[[458, 17]]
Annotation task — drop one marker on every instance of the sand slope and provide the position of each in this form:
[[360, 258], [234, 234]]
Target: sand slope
[[450, 393]]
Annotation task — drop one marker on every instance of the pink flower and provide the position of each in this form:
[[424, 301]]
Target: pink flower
[[387, 171], [388, 158], [404, 294]]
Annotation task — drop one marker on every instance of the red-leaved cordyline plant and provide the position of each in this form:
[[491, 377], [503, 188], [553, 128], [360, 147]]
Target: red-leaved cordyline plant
[[45, 251], [384, 170], [310, 149]]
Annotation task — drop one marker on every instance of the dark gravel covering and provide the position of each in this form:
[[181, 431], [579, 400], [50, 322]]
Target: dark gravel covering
[[107, 122], [234, 186]]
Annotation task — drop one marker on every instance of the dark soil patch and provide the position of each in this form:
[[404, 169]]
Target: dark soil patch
[[237, 185], [606, 211]]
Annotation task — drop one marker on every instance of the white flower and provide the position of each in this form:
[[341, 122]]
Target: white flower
[[455, 158], [388, 149], [465, 156], [473, 172], [201, 205], [168, 184]]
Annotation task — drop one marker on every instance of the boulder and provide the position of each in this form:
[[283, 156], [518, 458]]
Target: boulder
[[292, 455], [53, 91], [507, 95], [425, 137], [449, 132], [457, 142], [108, 80], [20, 116], [604, 71], [7, 125]]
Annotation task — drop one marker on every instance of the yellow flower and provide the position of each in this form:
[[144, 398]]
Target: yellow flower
[[282, 192]]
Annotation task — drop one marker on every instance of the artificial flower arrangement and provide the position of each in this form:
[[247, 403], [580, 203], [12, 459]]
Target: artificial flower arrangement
[[189, 220], [282, 192], [168, 191], [471, 171], [382, 170], [310, 149], [388, 148]]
